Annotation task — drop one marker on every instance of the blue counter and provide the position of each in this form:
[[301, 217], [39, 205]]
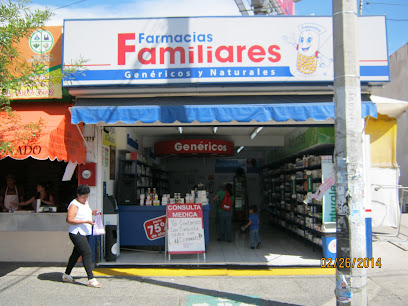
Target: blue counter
[[132, 218]]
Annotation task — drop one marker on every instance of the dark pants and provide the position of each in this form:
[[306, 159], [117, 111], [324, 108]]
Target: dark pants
[[81, 248], [225, 226]]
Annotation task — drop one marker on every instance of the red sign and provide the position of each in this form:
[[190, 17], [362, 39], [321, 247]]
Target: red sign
[[287, 6], [188, 210], [87, 174], [194, 147], [155, 228]]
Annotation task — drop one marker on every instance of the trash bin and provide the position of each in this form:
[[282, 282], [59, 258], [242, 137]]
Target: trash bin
[[95, 244], [329, 245], [111, 245]]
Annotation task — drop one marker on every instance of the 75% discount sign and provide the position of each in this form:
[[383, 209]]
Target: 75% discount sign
[[155, 228]]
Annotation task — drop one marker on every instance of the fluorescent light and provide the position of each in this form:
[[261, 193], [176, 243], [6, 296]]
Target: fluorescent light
[[215, 128], [180, 129], [240, 149], [256, 131]]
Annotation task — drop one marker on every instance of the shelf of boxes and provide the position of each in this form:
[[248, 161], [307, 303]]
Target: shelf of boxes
[[285, 188], [142, 176]]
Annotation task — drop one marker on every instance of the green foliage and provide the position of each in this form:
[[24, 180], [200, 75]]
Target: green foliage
[[17, 21]]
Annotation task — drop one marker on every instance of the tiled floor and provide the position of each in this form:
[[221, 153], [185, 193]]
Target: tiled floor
[[279, 248]]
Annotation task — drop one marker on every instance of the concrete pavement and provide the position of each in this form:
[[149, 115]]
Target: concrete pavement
[[40, 284]]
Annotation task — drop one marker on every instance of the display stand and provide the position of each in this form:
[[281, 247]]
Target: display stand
[[185, 229], [241, 212]]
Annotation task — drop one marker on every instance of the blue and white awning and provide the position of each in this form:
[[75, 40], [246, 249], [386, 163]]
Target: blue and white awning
[[238, 109]]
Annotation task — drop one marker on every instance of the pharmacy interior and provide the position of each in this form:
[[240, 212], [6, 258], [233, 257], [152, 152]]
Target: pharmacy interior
[[174, 111]]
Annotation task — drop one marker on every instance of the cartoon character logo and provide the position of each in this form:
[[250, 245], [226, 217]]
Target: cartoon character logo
[[307, 44], [308, 47]]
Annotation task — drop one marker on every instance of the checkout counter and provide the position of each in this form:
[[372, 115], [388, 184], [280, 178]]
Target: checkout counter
[[133, 217]]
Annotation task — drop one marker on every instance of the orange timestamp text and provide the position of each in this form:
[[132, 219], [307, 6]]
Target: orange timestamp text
[[359, 263]]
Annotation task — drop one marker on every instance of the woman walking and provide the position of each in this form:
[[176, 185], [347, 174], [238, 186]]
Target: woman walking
[[80, 218]]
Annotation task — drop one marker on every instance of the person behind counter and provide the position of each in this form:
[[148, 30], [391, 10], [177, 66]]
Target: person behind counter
[[80, 219], [43, 193], [225, 213], [11, 193]]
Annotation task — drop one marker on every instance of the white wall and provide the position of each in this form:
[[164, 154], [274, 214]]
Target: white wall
[[397, 89], [384, 200], [402, 150]]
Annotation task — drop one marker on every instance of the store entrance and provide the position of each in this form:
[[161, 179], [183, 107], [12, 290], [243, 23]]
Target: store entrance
[[247, 171]]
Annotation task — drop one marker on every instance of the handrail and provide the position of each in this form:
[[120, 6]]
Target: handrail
[[402, 190]]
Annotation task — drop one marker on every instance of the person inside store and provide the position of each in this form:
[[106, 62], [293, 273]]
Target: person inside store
[[80, 219], [225, 200], [253, 225], [43, 193], [11, 194]]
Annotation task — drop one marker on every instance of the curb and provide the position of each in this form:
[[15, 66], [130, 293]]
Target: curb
[[212, 272]]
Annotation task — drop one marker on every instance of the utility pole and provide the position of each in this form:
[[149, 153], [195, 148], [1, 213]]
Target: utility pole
[[350, 222]]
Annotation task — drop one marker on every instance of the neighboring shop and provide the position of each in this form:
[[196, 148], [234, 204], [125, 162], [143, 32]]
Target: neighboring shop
[[49, 158], [171, 105]]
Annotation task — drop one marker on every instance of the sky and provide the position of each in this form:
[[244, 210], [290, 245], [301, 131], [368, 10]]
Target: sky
[[396, 11]]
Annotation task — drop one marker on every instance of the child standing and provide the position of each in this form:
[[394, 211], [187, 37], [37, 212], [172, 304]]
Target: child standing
[[253, 225]]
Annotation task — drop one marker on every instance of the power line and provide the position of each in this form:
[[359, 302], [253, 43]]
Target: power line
[[69, 5], [392, 19], [380, 3]]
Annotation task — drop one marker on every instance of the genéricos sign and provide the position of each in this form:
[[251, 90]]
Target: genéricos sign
[[194, 147]]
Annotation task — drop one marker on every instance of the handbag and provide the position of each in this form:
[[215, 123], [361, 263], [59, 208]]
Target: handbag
[[98, 228]]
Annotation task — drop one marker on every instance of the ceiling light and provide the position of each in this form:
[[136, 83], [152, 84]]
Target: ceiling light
[[256, 131], [180, 129], [240, 149], [215, 128]]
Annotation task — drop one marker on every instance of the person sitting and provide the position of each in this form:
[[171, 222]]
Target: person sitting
[[43, 193], [11, 193]]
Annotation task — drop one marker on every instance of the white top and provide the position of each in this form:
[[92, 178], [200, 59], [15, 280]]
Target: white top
[[11, 198], [84, 213]]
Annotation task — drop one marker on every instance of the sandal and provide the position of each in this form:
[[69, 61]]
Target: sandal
[[94, 283], [66, 278]]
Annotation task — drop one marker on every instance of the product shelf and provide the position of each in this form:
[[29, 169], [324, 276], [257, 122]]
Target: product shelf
[[135, 177], [290, 183]]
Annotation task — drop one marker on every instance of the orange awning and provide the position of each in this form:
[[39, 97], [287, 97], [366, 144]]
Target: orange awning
[[58, 138]]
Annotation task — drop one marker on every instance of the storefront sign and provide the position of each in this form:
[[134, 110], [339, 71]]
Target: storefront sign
[[58, 139], [109, 136], [194, 146], [301, 141], [329, 196], [185, 229], [216, 50], [155, 228], [230, 165], [43, 46]]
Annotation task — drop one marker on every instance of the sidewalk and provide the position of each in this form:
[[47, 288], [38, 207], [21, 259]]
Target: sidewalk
[[25, 284]]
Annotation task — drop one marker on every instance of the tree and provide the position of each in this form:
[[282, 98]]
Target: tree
[[17, 21]]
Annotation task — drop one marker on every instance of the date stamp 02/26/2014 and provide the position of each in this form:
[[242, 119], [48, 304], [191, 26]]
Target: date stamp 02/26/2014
[[360, 263]]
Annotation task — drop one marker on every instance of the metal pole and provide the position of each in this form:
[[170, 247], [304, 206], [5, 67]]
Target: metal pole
[[350, 220]]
